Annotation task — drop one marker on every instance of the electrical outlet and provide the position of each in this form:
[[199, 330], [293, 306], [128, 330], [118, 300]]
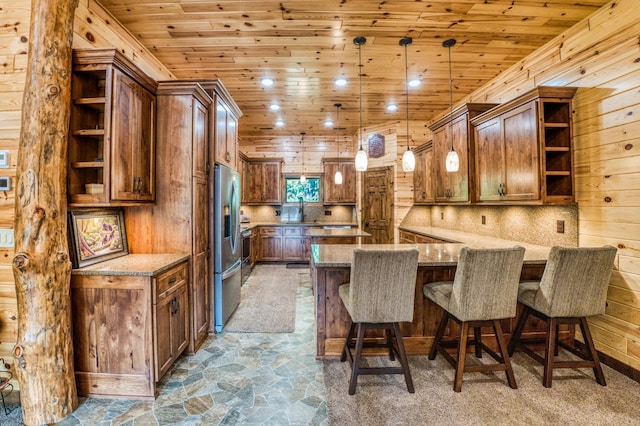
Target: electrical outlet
[[6, 238], [560, 227], [278, 212], [441, 215], [327, 212], [483, 218]]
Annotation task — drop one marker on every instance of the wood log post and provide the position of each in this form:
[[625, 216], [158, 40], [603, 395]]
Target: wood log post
[[41, 266]]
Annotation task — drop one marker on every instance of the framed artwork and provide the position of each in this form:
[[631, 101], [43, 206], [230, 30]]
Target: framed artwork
[[376, 145], [96, 235]]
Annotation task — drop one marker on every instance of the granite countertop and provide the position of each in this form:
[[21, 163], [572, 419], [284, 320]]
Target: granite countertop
[[133, 265], [446, 254], [338, 232]]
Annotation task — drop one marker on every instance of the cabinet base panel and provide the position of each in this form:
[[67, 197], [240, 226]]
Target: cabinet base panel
[[115, 386]]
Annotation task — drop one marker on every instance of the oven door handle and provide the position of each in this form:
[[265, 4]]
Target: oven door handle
[[232, 270]]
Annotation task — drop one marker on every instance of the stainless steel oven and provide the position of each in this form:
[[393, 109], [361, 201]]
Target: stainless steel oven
[[246, 254]]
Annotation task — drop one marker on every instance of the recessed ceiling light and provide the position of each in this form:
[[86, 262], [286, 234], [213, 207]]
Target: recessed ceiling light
[[279, 123], [415, 82], [267, 81], [274, 107], [340, 82], [328, 123], [392, 107]]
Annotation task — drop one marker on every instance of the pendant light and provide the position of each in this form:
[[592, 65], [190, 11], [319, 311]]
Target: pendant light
[[361, 156], [452, 162], [337, 179], [408, 159], [303, 178]]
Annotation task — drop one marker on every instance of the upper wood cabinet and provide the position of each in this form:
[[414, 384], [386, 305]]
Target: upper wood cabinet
[[454, 130], [112, 131], [523, 149], [344, 193], [224, 118], [423, 190], [263, 181]]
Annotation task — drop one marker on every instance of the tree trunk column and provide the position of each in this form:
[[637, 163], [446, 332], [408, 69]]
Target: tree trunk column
[[41, 266]]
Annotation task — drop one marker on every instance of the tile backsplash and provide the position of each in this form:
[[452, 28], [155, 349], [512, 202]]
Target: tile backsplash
[[529, 224], [312, 213]]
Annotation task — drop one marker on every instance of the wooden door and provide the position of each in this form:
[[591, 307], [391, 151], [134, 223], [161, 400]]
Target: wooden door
[[489, 160], [377, 205], [520, 127], [123, 137]]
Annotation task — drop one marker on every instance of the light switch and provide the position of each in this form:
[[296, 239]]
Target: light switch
[[5, 183], [4, 159]]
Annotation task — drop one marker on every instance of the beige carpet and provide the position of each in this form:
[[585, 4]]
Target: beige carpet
[[486, 399], [268, 301]]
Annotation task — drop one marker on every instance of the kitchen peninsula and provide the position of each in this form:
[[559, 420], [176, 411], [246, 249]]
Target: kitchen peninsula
[[331, 266]]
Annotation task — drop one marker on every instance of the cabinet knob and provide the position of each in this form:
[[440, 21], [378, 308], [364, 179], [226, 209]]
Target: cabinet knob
[[227, 156]]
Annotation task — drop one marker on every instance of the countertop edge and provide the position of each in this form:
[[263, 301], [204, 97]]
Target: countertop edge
[[147, 265]]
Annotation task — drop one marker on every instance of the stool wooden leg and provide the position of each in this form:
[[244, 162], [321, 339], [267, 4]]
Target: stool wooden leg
[[462, 350], [515, 337], [436, 341], [387, 333], [549, 351], [347, 341], [477, 335], [356, 360], [404, 362], [502, 346], [591, 348]]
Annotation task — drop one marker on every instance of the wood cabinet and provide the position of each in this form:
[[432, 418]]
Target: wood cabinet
[[129, 325], [270, 243], [523, 149], [112, 131], [408, 237], [339, 194], [179, 222], [455, 130], [423, 188], [293, 243], [224, 118], [263, 181], [255, 245]]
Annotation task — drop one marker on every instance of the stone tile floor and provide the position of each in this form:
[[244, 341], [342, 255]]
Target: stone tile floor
[[235, 378]]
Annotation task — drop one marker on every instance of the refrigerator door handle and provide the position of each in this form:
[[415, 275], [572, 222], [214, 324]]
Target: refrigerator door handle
[[234, 269]]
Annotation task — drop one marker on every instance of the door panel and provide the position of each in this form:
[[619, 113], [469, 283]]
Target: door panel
[[377, 205]]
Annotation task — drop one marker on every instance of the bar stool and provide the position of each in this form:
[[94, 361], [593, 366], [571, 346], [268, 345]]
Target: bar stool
[[483, 291], [379, 295], [573, 287]]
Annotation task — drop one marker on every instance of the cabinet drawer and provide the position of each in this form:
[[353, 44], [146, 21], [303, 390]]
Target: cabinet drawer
[[169, 279], [293, 231], [270, 231]]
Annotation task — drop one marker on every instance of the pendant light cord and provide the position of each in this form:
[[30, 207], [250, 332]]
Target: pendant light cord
[[360, 75], [450, 95], [407, 42]]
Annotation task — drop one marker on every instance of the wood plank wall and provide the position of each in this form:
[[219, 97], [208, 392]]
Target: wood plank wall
[[601, 56], [94, 27]]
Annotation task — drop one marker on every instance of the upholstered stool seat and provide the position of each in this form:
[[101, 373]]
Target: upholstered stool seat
[[379, 295], [484, 290], [573, 286]]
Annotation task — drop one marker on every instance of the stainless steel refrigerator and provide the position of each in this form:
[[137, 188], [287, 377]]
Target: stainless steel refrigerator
[[227, 243]]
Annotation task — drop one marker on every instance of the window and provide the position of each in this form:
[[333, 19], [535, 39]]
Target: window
[[309, 192]]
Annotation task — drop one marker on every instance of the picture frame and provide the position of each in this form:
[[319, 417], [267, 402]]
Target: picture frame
[[96, 235], [376, 145]]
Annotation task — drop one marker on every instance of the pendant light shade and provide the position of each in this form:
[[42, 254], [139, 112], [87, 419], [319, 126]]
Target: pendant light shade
[[361, 157], [452, 162], [337, 178], [303, 178], [408, 159]]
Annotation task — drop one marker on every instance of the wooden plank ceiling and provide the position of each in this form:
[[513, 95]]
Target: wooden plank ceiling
[[304, 45]]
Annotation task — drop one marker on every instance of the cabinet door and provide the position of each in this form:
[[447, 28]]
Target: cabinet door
[[520, 127], [489, 160], [271, 248], [180, 322], [423, 178], [271, 182], [200, 278], [441, 145], [332, 192], [452, 186], [232, 140], [349, 193], [293, 248], [163, 339], [200, 138], [253, 187], [132, 140]]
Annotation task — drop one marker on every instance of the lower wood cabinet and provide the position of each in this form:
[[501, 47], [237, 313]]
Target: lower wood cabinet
[[129, 326], [293, 243], [270, 243], [407, 237]]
